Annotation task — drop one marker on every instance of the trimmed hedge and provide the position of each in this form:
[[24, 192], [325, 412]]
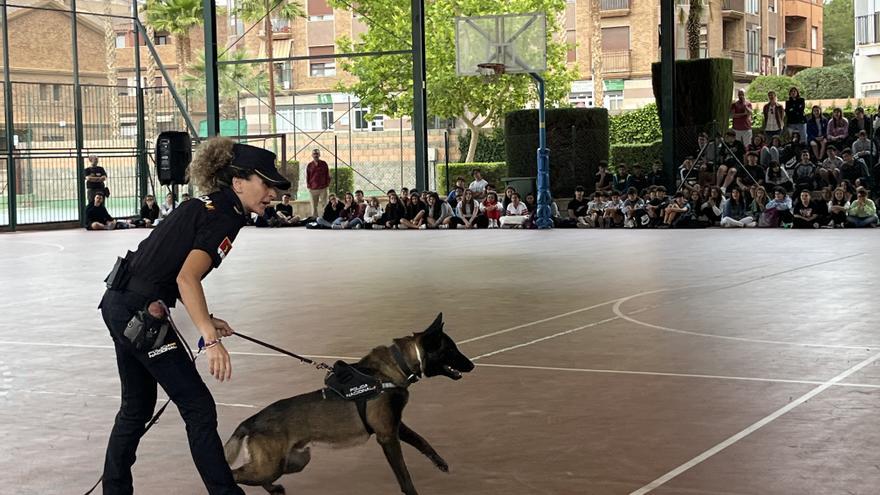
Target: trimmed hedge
[[635, 126], [346, 180], [577, 139], [492, 172], [642, 153], [757, 90], [490, 147]]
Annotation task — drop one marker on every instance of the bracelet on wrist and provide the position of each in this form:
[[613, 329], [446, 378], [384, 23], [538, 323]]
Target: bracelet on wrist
[[211, 343]]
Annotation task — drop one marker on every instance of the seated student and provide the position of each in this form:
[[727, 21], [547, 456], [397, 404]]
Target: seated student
[[621, 179], [852, 170], [677, 212], [415, 212], [707, 148], [438, 214], [804, 212], [736, 212], [804, 173], [777, 211], [711, 207], [331, 213], [863, 148], [776, 176], [269, 218], [837, 208], [656, 204], [150, 212], [829, 168], [595, 209], [758, 203], [577, 209], [394, 212], [98, 218], [454, 197], [508, 197], [638, 179], [696, 199], [532, 205], [771, 152], [603, 177], [731, 154], [459, 183], [373, 214], [349, 217], [167, 206], [492, 209], [689, 174], [790, 154], [613, 211], [752, 172], [185, 197], [516, 215], [468, 210], [404, 196], [478, 186], [284, 212], [634, 210], [862, 212], [656, 177]]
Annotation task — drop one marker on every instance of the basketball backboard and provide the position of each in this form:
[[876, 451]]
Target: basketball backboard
[[519, 41]]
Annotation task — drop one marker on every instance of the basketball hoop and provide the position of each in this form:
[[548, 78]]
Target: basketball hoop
[[490, 71]]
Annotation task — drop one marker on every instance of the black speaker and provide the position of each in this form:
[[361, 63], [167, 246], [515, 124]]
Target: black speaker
[[173, 154]]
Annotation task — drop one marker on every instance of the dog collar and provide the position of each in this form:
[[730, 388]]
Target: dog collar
[[411, 376]]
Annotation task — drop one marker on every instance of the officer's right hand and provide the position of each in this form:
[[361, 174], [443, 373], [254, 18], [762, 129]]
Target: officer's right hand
[[219, 363]]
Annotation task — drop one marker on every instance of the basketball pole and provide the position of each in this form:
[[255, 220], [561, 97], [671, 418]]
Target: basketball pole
[[542, 220]]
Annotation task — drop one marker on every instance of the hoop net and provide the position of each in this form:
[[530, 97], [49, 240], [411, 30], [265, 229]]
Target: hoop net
[[491, 71]]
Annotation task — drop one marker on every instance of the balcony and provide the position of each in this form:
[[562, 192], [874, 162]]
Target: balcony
[[802, 57], [739, 60], [868, 29], [797, 8], [617, 61], [733, 9], [613, 8]]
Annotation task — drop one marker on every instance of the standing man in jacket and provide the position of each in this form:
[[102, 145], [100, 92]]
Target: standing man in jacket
[[318, 181], [774, 116]]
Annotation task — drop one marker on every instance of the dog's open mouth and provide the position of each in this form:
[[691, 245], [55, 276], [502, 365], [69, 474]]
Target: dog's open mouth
[[452, 372]]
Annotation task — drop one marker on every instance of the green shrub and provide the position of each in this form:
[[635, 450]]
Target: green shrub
[[490, 147], [290, 170], [492, 172], [576, 137], [758, 89], [346, 180], [826, 82], [643, 153], [636, 126]]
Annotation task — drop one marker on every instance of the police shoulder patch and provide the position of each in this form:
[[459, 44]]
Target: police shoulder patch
[[209, 204], [224, 247]]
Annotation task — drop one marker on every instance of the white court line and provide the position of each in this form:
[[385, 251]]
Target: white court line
[[537, 322], [753, 428], [677, 375], [96, 346], [19, 258], [100, 396], [560, 334]]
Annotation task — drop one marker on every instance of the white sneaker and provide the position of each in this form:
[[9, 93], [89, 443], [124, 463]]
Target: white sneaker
[[423, 227], [358, 226], [444, 226], [336, 226]]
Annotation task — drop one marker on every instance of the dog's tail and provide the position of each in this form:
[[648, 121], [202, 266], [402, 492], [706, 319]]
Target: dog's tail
[[232, 448]]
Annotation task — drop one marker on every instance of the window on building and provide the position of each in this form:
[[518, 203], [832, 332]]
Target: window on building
[[814, 38], [45, 92], [317, 117], [319, 10], [360, 119], [752, 6], [614, 100], [120, 40], [771, 5], [128, 129], [161, 39], [158, 85], [322, 67], [571, 41], [581, 100], [122, 86], [284, 74], [868, 29], [56, 92], [615, 39], [753, 51], [280, 25]]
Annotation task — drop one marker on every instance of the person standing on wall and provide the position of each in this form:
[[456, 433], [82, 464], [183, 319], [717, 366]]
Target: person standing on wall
[[96, 177], [318, 182]]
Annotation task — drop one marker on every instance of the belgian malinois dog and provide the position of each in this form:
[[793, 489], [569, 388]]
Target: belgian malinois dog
[[276, 440]]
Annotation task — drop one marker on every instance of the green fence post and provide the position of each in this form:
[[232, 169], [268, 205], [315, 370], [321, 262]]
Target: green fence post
[[77, 118], [10, 130]]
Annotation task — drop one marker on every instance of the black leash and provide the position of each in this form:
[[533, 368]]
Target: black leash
[[317, 365]]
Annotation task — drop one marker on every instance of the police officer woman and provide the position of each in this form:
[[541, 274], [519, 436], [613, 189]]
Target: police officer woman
[[169, 265]]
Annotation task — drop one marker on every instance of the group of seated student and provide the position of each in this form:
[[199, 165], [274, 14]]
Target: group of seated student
[[462, 208], [98, 218], [150, 215], [279, 215], [709, 206]]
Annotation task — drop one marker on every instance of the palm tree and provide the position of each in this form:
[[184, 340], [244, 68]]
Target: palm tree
[[152, 124], [176, 17], [232, 78], [596, 53], [692, 28], [264, 10], [110, 60]]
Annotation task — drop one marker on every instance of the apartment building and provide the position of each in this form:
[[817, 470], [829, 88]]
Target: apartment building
[[760, 36], [867, 50]]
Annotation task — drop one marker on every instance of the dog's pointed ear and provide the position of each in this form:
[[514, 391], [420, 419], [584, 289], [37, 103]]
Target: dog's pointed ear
[[437, 326]]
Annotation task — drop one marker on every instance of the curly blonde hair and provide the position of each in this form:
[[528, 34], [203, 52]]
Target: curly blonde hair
[[210, 167]]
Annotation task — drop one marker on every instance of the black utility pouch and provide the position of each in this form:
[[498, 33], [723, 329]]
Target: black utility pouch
[[352, 384], [116, 279], [147, 332]]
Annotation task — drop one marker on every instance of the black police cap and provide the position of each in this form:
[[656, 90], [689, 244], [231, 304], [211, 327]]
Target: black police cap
[[261, 161]]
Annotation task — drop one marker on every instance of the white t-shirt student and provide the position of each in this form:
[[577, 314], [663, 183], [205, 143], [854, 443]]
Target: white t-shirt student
[[479, 186], [518, 210]]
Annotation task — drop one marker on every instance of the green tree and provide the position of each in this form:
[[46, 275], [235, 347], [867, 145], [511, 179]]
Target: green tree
[[232, 79], [384, 84], [176, 17], [826, 82], [265, 11], [761, 85], [636, 126], [838, 32]]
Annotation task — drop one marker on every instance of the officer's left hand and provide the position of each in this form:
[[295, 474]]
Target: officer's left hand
[[222, 327]]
